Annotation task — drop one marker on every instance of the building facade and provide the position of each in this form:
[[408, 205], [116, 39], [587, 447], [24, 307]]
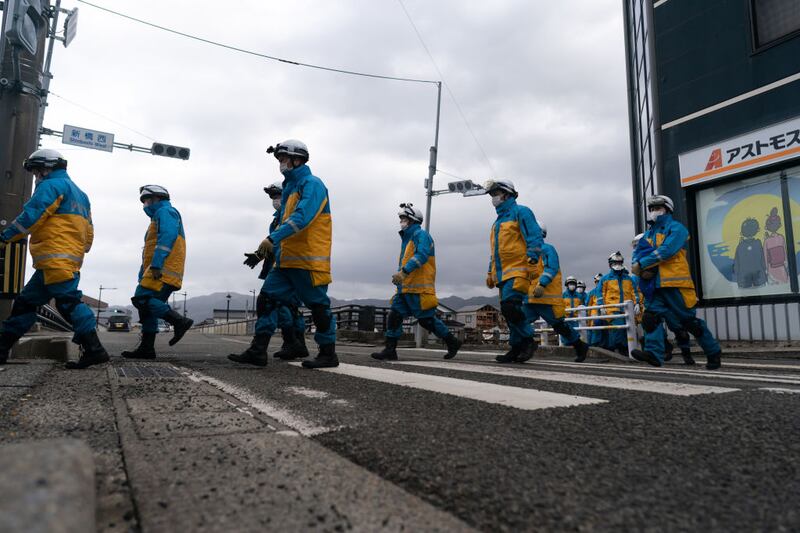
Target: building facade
[[714, 108]]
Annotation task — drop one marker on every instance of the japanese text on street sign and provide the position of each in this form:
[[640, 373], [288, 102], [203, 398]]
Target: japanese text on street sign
[[97, 140]]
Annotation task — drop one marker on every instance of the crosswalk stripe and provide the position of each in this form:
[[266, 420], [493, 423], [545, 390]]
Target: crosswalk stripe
[[518, 397], [687, 372], [780, 390], [641, 385]]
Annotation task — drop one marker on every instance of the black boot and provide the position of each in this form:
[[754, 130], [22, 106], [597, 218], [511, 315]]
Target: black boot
[[581, 351], [646, 357], [145, 350], [326, 358], [510, 356], [453, 345], [294, 345], [256, 354], [527, 350], [714, 361], [7, 340], [180, 324], [92, 352], [668, 347], [687, 357], [389, 352]]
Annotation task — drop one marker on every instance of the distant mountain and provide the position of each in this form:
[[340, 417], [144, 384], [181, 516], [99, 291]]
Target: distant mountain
[[200, 308]]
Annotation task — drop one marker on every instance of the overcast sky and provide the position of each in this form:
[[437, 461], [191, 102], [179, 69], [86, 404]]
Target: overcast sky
[[542, 85]]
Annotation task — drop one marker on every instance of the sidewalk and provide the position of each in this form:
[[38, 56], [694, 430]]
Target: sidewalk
[[176, 454]]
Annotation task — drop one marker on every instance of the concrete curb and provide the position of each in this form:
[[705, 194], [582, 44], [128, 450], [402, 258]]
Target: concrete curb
[[36, 347], [47, 486]]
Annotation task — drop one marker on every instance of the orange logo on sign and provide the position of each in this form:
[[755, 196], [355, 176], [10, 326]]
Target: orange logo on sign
[[715, 161]]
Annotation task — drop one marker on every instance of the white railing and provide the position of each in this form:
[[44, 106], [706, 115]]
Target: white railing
[[627, 312]]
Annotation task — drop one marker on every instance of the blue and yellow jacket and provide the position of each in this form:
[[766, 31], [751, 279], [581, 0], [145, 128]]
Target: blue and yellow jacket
[[417, 261], [668, 239], [303, 238], [59, 220], [515, 237], [573, 299], [617, 287], [164, 247], [548, 274]]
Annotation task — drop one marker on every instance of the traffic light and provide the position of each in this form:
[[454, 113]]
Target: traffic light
[[167, 150], [461, 186], [24, 20]]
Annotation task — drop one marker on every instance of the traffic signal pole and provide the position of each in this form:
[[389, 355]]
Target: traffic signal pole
[[20, 99], [419, 335]]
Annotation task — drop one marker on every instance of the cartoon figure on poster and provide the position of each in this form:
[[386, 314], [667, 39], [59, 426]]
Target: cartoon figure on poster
[[775, 249], [748, 257]]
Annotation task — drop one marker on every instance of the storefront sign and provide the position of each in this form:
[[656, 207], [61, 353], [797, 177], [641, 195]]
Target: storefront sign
[[746, 152]]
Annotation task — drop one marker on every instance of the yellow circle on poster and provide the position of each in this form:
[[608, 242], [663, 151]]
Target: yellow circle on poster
[[758, 207]]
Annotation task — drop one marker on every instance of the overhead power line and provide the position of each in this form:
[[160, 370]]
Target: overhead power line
[[253, 53], [76, 104], [447, 86]]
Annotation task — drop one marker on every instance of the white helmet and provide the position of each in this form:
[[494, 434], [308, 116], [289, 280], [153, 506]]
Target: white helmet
[[616, 257], [290, 147], [581, 285], [571, 279], [409, 211], [660, 200], [544, 229], [635, 241], [157, 191], [45, 158], [275, 189], [504, 185]]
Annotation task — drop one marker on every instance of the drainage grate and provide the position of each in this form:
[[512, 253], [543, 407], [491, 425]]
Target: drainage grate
[[147, 372]]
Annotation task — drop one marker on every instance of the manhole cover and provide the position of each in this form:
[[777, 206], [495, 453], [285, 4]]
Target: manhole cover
[[147, 372]]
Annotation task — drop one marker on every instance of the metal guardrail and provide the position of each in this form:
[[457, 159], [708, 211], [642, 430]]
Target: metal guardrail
[[52, 319]]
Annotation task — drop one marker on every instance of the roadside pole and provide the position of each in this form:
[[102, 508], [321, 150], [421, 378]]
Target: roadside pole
[[20, 100]]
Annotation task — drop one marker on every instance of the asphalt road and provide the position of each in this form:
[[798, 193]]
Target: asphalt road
[[549, 445]]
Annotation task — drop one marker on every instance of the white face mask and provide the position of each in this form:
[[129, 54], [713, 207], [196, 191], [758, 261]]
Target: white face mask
[[276, 203], [617, 267], [655, 213], [403, 224], [285, 167], [580, 290], [571, 287], [497, 200]]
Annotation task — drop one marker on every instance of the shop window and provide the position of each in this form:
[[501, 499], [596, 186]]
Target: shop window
[[743, 245], [774, 19]]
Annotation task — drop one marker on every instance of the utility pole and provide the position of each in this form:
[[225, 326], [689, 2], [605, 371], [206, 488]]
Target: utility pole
[[99, 301], [20, 100], [184, 303]]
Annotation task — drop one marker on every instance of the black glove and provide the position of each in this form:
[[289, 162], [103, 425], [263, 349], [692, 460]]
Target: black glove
[[252, 259], [156, 272]]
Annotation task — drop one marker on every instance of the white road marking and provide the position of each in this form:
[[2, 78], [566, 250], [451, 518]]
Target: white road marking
[[308, 393], [520, 398], [658, 387], [780, 390], [294, 421]]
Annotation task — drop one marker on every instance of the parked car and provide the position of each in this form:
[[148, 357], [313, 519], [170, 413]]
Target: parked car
[[119, 323]]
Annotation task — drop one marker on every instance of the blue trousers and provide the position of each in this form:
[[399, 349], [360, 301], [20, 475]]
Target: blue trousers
[[674, 326], [36, 293], [286, 286], [409, 305], [534, 312], [598, 337], [666, 301], [151, 305], [520, 330], [288, 319], [617, 338]]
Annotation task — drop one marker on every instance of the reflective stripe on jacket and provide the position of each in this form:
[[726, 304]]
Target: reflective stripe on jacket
[[515, 237], [417, 260], [303, 239], [548, 275], [59, 221], [164, 247]]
